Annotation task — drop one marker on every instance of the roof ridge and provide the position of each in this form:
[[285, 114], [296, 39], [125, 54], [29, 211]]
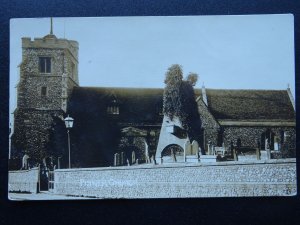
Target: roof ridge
[[222, 89], [127, 88]]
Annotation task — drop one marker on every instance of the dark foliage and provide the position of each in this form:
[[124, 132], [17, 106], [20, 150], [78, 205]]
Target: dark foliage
[[57, 146], [192, 78], [179, 101]]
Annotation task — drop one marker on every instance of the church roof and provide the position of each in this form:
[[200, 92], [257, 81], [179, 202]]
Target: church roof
[[144, 105], [250, 104], [136, 105]]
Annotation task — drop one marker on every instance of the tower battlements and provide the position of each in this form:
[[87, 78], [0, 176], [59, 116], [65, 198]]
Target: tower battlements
[[50, 41]]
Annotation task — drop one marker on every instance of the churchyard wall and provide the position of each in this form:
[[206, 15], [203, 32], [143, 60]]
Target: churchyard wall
[[24, 180], [181, 180]]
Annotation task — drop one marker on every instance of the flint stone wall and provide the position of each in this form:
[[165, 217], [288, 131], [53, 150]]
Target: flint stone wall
[[223, 179], [250, 135], [23, 180], [209, 123]]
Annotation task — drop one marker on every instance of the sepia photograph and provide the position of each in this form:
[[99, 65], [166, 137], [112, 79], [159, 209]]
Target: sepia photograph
[[152, 107]]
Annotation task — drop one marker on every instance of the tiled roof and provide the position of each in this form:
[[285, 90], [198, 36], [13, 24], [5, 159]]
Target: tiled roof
[[143, 105], [136, 105], [250, 104]]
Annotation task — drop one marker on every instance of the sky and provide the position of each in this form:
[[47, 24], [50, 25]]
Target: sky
[[227, 52]]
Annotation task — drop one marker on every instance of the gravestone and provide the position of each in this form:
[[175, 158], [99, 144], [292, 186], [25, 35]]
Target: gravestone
[[133, 157], [118, 159], [122, 158], [187, 148], [257, 153], [147, 152], [208, 149], [115, 159], [199, 151], [58, 162], [195, 148], [235, 156], [191, 151], [25, 162]]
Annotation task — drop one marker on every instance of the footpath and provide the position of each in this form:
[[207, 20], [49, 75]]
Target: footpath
[[43, 195]]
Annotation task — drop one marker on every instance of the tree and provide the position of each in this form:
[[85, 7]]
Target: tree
[[57, 145], [192, 78], [179, 101]]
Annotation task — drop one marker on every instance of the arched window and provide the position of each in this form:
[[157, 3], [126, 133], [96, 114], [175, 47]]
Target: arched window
[[45, 64], [113, 107]]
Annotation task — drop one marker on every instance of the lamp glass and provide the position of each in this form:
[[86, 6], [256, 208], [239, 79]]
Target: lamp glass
[[69, 122]]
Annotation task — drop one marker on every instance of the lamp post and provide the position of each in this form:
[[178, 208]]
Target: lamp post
[[69, 124]]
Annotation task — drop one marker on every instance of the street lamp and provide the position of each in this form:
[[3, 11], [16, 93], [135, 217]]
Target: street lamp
[[69, 124]]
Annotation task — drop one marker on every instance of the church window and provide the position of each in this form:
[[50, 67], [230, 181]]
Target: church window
[[45, 64], [113, 110], [44, 91], [113, 106]]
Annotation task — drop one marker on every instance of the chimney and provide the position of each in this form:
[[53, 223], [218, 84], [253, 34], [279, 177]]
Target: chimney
[[204, 97]]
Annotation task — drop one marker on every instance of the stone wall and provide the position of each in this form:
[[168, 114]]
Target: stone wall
[[31, 133], [223, 179], [36, 110], [209, 123], [31, 80], [24, 180], [250, 135]]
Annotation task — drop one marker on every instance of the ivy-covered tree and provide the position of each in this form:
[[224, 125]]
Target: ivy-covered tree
[[57, 146], [179, 101]]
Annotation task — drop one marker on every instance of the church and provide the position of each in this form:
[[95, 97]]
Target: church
[[123, 121]]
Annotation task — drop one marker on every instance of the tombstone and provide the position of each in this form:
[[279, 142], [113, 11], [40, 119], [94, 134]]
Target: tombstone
[[147, 152], [137, 162], [199, 151], [122, 159], [187, 148], [212, 150], [115, 159], [118, 159], [267, 144], [257, 153], [25, 162], [235, 156], [195, 148], [208, 149], [133, 157], [58, 163]]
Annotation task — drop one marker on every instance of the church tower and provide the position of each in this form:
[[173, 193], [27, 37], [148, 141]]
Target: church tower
[[48, 73]]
